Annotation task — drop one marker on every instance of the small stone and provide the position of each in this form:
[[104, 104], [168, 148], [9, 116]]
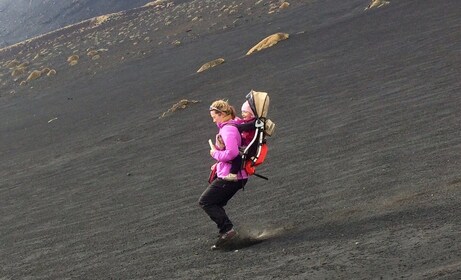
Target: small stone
[[34, 75], [17, 72], [73, 58], [284, 5], [92, 53]]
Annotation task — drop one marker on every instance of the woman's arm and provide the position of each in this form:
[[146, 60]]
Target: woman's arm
[[232, 141]]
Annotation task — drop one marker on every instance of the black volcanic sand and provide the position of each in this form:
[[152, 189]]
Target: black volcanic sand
[[364, 166]]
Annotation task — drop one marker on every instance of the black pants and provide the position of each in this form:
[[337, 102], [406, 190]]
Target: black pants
[[215, 197]]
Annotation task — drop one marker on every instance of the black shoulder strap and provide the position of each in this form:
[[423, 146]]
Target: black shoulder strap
[[244, 126]]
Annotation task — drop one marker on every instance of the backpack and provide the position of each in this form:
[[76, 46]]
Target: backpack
[[255, 153]]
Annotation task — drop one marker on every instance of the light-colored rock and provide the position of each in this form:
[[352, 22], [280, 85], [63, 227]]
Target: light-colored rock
[[73, 59], [45, 70], [284, 5], [273, 8], [182, 104], [13, 63], [52, 72], [377, 4], [211, 64], [24, 64], [100, 20], [18, 71], [92, 53], [268, 42], [34, 75], [155, 3]]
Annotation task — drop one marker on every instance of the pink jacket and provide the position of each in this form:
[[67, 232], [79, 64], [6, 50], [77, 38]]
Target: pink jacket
[[232, 141]]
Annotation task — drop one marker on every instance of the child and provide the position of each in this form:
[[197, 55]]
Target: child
[[247, 135]]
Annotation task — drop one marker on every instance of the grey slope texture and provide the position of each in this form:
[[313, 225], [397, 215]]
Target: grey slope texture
[[364, 166]]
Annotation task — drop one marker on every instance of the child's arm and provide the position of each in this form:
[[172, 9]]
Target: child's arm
[[246, 126]]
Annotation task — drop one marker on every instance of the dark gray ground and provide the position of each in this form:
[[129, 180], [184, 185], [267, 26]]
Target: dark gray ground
[[364, 166]]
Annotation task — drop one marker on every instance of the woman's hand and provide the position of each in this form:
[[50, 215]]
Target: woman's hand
[[212, 147]]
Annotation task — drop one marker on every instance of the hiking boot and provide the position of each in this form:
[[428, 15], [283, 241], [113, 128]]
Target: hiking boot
[[228, 235], [231, 177], [224, 238]]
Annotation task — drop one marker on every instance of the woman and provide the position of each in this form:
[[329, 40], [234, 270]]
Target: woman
[[220, 191], [247, 128]]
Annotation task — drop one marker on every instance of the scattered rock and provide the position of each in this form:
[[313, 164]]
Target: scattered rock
[[284, 5], [13, 63], [52, 72], [34, 75], [45, 71], [100, 20], [273, 8], [377, 4], [23, 83], [155, 3], [211, 64], [268, 42], [96, 57], [17, 72], [73, 59], [180, 105], [24, 64], [92, 53]]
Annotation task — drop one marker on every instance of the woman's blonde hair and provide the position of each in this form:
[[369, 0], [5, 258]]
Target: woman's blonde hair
[[223, 106]]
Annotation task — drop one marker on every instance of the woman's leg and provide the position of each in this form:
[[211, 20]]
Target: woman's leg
[[215, 197]]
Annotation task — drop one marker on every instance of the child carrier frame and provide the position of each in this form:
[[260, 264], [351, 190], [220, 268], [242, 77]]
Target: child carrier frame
[[255, 153]]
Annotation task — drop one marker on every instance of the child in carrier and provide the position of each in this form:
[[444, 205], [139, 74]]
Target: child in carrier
[[247, 131]]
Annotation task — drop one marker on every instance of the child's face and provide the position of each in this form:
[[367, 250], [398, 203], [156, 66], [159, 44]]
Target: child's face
[[246, 115]]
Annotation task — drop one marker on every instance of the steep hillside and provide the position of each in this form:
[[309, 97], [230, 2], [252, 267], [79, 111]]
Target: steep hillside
[[101, 177]]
